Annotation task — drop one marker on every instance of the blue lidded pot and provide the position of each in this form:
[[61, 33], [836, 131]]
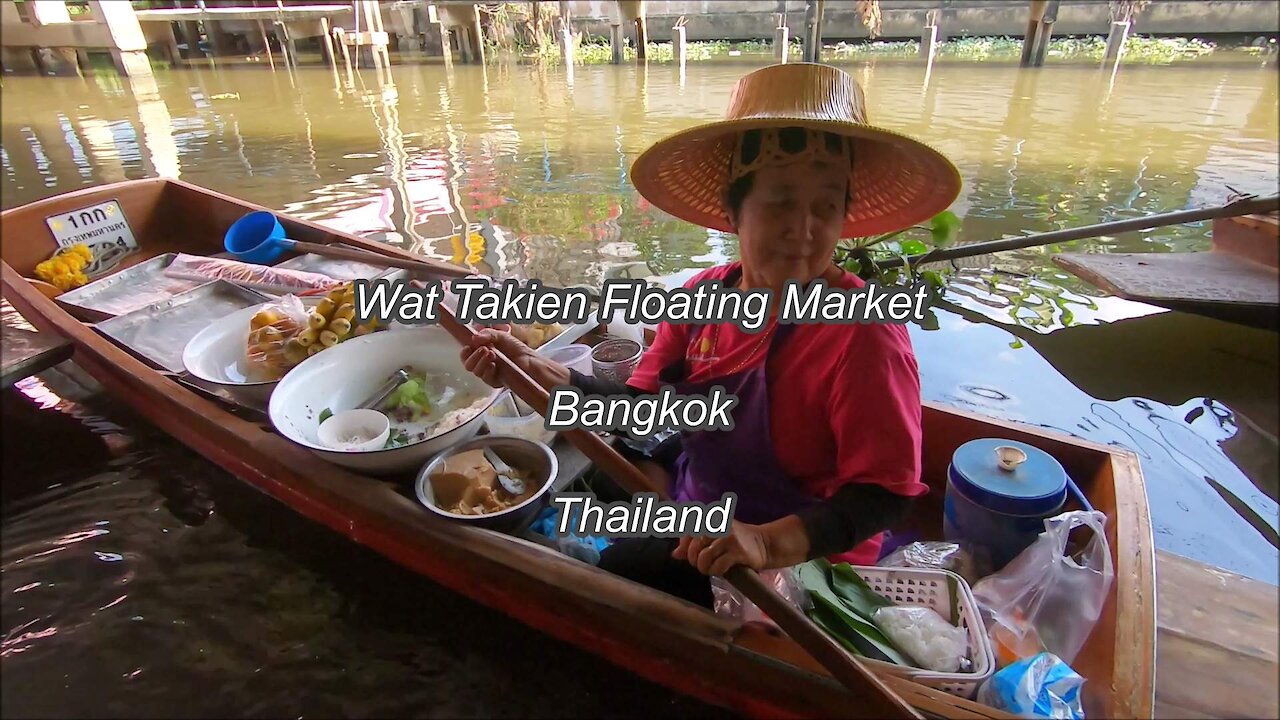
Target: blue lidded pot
[[998, 494]]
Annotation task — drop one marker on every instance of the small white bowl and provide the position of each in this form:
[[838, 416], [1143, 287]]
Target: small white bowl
[[370, 428]]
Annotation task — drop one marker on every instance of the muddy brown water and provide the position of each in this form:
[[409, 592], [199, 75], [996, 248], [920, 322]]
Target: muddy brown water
[[140, 580]]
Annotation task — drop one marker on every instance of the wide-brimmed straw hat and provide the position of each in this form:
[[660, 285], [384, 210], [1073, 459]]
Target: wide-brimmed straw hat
[[896, 181]]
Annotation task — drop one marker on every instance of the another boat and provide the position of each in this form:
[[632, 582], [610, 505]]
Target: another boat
[[1235, 281], [739, 665]]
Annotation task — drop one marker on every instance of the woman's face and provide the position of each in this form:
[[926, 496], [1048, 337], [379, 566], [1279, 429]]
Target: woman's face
[[790, 221]]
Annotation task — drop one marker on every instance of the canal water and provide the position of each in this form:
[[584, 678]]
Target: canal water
[[139, 579]]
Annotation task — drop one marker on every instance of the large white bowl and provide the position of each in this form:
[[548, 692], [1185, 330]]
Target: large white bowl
[[347, 374], [217, 354]]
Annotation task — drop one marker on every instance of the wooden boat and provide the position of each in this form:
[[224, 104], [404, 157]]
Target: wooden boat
[[738, 665], [1236, 280]]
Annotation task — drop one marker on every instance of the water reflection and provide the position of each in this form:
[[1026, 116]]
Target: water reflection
[[522, 170]]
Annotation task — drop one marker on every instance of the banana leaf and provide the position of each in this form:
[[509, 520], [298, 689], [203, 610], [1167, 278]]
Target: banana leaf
[[855, 592], [842, 621]]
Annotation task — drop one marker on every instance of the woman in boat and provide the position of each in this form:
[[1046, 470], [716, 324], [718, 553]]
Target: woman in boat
[[825, 451]]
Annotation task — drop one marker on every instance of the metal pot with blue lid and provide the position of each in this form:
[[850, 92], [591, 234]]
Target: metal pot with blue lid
[[998, 494]]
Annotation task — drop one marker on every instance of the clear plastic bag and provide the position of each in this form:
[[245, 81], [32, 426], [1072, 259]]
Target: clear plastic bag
[[729, 602], [1044, 599], [932, 642], [274, 347], [260, 277], [934, 555], [1041, 686]]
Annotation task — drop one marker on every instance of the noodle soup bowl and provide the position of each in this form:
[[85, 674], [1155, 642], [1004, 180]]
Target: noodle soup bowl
[[349, 373], [535, 458]]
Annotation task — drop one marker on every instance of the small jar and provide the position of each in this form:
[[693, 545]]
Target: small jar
[[616, 359]]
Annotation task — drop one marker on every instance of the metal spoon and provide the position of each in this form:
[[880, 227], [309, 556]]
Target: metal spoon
[[513, 485], [388, 387]]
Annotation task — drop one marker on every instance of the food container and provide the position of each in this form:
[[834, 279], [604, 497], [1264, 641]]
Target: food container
[[516, 452], [947, 594], [998, 494], [574, 357], [616, 359], [512, 417]]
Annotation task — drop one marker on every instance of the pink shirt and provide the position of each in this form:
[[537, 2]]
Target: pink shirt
[[844, 399]]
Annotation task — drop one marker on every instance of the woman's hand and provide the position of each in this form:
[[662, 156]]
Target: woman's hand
[[480, 358], [781, 543], [744, 545]]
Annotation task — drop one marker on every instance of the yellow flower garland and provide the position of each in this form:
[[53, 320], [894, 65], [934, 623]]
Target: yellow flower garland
[[65, 270]]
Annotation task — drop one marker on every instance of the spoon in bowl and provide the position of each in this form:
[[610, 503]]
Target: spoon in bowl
[[511, 484]]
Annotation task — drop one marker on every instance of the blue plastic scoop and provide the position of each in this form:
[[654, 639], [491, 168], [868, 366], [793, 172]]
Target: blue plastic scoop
[[259, 238]]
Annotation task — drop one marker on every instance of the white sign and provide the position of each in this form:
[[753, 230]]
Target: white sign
[[102, 227]]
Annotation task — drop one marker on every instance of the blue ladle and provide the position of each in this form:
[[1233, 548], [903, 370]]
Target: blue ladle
[[259, 238]]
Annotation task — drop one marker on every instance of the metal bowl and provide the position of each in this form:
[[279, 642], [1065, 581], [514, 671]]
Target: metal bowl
[[516, 452]]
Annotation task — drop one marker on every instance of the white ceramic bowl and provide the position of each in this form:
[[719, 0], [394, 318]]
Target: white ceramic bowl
[[347, 374], [371, 424], [217, 354]]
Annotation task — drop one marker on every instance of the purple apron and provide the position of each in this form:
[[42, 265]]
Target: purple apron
[[741, 460]]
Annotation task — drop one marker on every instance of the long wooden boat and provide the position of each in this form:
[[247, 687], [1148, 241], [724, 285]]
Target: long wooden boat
[[738, 665]]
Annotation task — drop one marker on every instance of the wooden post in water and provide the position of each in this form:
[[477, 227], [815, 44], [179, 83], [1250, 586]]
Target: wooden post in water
[[1044, 33], [678, 45], [477, 30], [642, 34], [326, 43], [615, 43], [813, 30], [1115, 43], [781, 34], [1038, 8], [266, 44], [566, 37]]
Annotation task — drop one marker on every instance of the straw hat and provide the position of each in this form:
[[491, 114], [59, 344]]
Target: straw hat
[[896, 181]]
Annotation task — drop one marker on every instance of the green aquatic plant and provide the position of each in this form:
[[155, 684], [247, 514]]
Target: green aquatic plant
[[862, 256], [1138, 48]]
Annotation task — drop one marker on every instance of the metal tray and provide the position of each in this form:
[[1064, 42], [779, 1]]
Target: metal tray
[[159, 332], [127, 290]]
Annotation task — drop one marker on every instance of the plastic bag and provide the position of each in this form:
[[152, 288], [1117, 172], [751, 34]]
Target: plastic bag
[[932, 642], [1044, 600], [933, 555], [261, 277], [1038, 687], [273, 346], [729, 602]]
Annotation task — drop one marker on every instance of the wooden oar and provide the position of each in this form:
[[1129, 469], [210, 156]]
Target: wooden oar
[[1244, 206], [874, 698]]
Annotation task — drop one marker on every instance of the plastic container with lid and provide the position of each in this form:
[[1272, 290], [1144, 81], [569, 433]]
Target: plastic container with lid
[[575, 357], [998, 494]]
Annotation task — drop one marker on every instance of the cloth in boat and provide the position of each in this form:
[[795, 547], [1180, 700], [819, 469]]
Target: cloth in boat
[[821, 407]]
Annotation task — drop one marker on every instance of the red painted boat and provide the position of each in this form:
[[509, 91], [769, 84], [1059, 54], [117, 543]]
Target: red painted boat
[[723, 661]]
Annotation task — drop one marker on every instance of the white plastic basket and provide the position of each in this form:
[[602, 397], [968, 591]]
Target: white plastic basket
[[928, 587]]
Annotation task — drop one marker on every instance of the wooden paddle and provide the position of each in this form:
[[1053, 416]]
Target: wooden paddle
[[875, 699], [1243, 206]]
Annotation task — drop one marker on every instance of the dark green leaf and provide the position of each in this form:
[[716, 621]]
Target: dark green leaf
[[828, 620], [913, 247], [930, 321], [325, 414], [816, 577], [952, 589], [866, 637], [934, 278], [944, 227], [1016, 344], [854, 591]]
